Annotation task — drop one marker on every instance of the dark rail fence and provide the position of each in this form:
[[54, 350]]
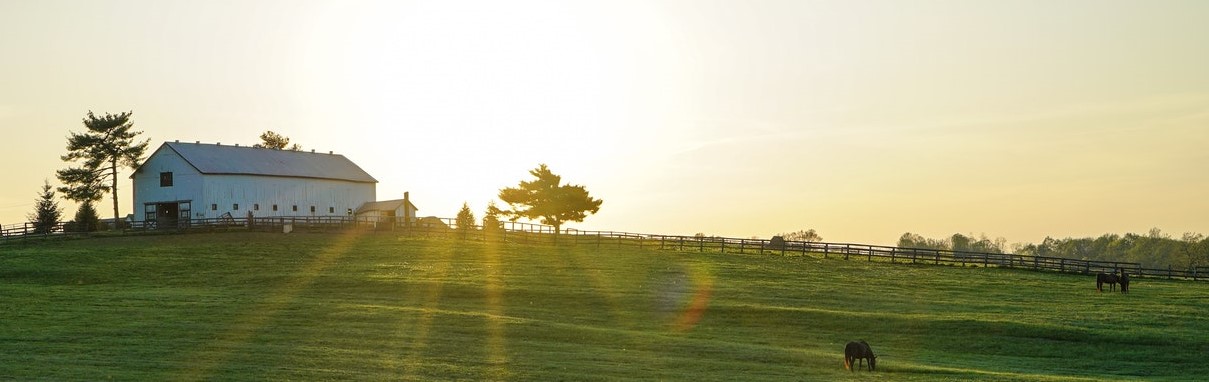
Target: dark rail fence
[[528, 233]]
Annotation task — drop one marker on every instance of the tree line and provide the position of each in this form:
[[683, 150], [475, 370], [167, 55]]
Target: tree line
[[1153, 250]]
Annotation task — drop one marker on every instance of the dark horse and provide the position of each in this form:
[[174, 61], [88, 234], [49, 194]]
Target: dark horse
[[859, 351], [1109, 278], [1124, 280]]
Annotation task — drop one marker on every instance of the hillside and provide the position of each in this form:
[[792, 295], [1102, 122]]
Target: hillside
[[372, 307]]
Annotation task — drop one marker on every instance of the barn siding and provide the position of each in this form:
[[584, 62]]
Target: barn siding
[[186, 181], [226, 191]]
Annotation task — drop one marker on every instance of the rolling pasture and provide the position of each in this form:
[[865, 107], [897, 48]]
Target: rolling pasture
[[361, 306]]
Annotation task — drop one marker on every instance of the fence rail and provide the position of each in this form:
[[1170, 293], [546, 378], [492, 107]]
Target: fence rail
[[527, 233]]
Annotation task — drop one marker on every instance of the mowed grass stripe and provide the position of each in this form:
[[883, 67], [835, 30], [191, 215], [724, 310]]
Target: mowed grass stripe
[[236, 307]]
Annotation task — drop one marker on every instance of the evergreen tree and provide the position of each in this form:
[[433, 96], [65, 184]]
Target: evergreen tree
[[548, 200], [46, 213], [465, 221], [491, 221], [107, 146], [87, 219]]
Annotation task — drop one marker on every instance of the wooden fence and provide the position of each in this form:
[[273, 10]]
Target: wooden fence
[[537, 234]]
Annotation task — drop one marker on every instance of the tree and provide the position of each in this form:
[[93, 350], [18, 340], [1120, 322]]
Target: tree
[[548, 200], [271, 140], [46, 213], [465, 220], [107, 146], [808, 235], [914, 240], [491, 220], [86, 219]]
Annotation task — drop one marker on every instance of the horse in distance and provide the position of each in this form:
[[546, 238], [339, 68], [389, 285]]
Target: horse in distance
[[1106, 278], [1124, 281], [859, 351]]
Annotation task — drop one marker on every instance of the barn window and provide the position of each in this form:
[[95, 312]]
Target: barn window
[[213, 207], [331, 210], [312, 209], [274, 207], [165, 179], [295, 207], [235, 206], [256, 207]]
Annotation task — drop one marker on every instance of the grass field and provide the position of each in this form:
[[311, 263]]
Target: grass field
[[249, 306]]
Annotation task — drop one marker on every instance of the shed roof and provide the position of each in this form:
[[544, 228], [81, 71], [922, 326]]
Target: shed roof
[[385, 205], [243, 160]]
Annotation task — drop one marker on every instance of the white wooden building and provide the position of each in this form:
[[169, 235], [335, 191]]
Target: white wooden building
[[389, 211], [185, 181]]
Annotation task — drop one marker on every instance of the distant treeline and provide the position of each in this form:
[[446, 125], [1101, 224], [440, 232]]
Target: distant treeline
[[957, 242], [1153, 250]]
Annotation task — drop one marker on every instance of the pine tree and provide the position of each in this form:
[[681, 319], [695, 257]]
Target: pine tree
[[107, 146], [87, 219], [547, 199], [492, 226], [465, 221], [46, 213]]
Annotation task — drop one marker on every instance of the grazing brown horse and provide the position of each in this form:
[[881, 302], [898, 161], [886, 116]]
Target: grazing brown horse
[[861, 351], [1103, 278]]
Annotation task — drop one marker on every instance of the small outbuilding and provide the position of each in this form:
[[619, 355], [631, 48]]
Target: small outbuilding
[[389, 211]]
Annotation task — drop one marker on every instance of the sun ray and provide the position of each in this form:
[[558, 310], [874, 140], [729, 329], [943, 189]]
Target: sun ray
[[241, 330], [496, 341], [423, 327]]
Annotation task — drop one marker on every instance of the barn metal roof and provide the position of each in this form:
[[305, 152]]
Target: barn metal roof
[[244, 160]]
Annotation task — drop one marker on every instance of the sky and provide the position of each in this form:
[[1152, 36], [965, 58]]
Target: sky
[[862, 120]]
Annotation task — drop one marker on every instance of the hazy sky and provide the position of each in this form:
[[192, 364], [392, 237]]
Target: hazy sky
[[860, 119]]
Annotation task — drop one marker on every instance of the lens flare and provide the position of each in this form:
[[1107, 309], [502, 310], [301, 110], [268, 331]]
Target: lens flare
[[684, 294]]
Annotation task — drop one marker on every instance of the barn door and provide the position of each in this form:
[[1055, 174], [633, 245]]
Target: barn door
[[149, 214], [185, 212]]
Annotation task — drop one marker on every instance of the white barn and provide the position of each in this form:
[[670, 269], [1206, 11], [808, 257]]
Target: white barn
[[184, 181]]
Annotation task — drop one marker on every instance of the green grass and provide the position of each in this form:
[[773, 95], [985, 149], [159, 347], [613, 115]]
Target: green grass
[[250, 306]]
